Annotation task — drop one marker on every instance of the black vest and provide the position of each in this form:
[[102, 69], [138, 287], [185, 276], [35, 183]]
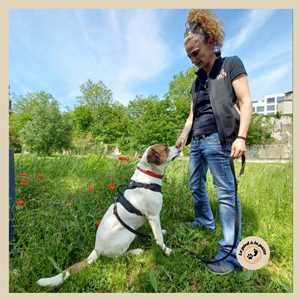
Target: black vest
[[222, 99]]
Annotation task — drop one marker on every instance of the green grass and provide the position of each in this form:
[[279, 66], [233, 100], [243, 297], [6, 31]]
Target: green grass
[[56, 228]]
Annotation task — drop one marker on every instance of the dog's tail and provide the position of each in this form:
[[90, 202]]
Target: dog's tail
[[61, 277]]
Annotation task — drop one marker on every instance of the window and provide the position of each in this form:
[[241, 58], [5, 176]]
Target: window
[[271, 100], [280, 99], [260, 109], [270, 107]]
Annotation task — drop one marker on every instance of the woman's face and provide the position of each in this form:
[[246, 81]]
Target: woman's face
[[199, 52]]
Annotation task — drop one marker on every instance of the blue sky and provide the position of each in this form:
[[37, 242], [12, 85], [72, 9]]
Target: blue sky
[[137, 51]]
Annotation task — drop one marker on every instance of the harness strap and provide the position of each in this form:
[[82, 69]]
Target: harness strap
[[128, 206], [150, 186], [127, 226]]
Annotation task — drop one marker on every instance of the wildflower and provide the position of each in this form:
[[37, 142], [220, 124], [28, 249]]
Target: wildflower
[[98, 221], [111, 186], [23, 174], [123, 157], [20, 202], [24, 181], [90, 188]]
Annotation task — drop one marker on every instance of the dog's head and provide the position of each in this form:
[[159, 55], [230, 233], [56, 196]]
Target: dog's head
[[154, 159], [160, 154]]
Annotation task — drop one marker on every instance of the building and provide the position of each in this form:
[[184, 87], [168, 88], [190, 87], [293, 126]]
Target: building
[[271, 104], [286, 106]]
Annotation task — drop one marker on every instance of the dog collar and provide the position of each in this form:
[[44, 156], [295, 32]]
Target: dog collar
[[150, 173]]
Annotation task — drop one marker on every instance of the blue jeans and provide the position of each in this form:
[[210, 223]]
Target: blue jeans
[[209, 153]]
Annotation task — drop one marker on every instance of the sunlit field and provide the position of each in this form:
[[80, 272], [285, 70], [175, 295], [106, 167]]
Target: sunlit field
[[60, 203]]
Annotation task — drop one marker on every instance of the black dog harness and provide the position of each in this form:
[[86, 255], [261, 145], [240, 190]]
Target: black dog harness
[[129, 207]]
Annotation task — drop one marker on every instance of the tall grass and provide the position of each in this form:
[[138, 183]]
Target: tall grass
[[56, 228]]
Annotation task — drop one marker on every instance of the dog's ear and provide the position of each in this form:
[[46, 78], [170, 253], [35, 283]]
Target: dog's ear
[[153, 157]]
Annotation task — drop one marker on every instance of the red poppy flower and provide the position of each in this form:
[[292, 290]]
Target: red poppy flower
[[111, 186], [123, 157], [23, 174], [20, 202], [24, 181], [90, 188], [97, 223]]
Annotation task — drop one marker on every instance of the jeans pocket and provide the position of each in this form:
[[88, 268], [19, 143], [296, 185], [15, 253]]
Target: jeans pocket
[[213, 139]]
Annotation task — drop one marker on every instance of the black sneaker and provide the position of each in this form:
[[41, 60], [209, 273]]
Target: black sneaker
[[221, 268], [196, 225]]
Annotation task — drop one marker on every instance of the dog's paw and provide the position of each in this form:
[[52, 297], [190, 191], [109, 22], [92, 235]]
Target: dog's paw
[[168, 251], [164, 231], [137, 251]]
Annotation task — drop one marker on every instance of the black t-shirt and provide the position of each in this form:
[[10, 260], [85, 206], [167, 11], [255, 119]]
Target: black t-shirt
[[204, 120]]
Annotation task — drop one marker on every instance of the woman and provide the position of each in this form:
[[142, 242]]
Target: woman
[[217, 127]]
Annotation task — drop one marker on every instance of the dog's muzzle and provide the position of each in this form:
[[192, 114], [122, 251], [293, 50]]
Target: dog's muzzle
[[173, 153]]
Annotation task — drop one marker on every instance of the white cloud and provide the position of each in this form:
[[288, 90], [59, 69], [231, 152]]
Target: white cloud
[[269, 82], [124, 51], [267, 57], [253, 22]]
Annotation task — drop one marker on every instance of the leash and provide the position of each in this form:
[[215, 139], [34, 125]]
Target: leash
[[236, 224], [157, 188]]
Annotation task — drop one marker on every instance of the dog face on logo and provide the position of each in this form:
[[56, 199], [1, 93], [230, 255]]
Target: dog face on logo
[[222, 74]]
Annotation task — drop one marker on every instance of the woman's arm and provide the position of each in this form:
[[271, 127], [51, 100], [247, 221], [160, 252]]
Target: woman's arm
[[181, 140], [241, 88]]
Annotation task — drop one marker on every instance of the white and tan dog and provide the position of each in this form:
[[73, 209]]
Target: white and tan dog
[[112, 238]]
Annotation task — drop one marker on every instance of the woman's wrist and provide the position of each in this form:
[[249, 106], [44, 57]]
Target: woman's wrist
[[241, 137]]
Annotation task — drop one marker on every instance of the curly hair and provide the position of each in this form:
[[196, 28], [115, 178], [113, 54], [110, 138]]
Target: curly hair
[[207, 23]]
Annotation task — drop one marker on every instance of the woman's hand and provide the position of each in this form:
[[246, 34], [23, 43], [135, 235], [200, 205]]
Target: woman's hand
[[238, 148], [181, 141]]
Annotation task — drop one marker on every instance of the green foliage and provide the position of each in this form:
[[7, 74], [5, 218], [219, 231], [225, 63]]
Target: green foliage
[[98, 117], [156, 119], [16, 123], [56, 228], [98, 120], [82, 118], [94, 94], [260, 130], [46, 130], [21, 114], [179, 95], [84, 143], [110, 123]]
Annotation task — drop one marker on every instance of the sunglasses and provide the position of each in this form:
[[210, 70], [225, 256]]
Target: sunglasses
[[190, 28], [194, 53]]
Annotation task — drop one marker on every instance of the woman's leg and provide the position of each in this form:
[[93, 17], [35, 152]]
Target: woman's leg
[[219, 162], [197, 183]]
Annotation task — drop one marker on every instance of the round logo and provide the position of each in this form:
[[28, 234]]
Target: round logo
[[253, 253]]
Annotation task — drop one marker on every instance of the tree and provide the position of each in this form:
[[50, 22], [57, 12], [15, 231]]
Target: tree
[[16, 123], [110, 123], [21, 113], [180, 96], [156, 119], [82, 118], [94, 94], [47, 130], [260, 131]]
